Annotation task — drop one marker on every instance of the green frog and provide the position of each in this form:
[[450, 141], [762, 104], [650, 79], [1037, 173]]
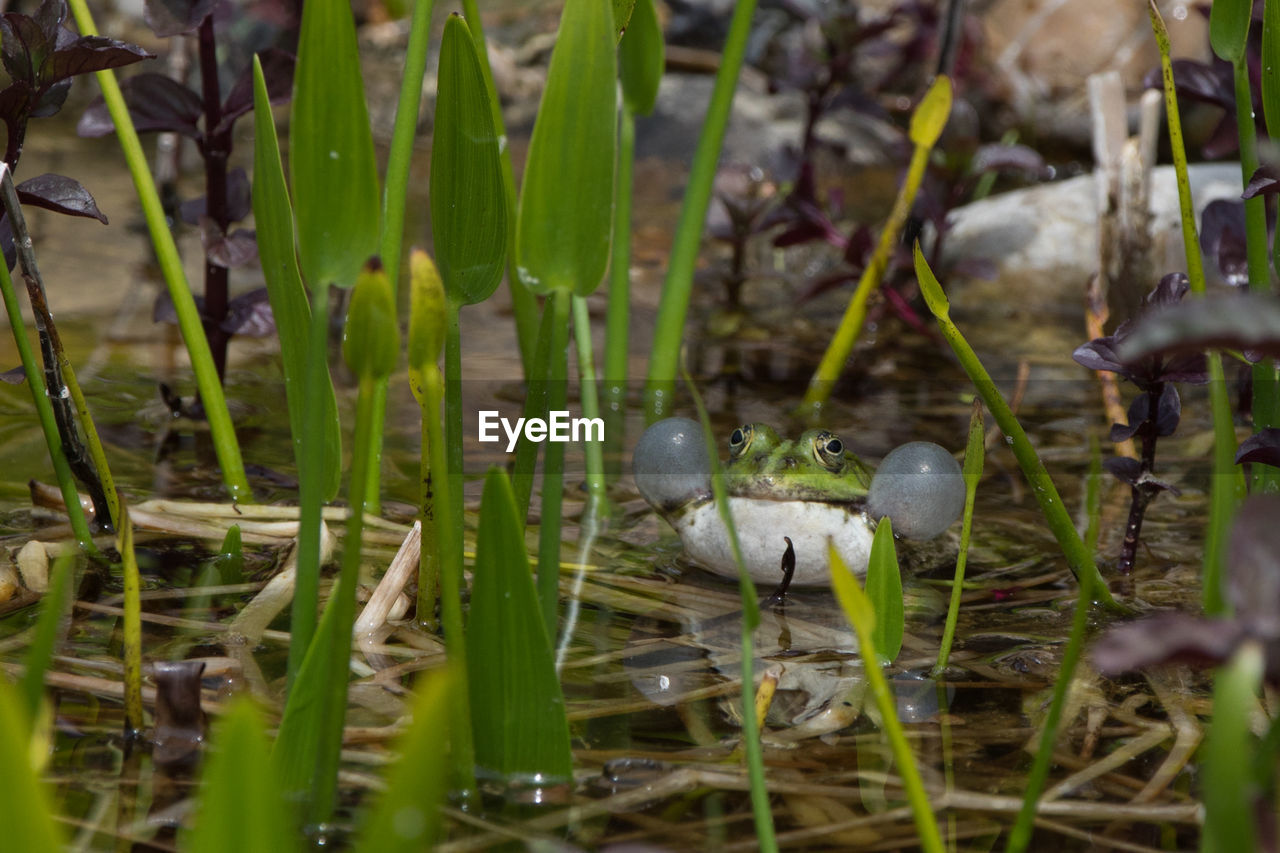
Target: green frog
[[811, 490]]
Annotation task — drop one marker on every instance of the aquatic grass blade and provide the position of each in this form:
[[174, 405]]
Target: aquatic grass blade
[[1227, 484], [974, 456], [1271, 72], [766, 834], [562, 237], [1229, 28], [331, 159], [861, 613], [273, 217], [927, 122], [39, 654], [240, 806], [622, 13], [427, 311], [214, 401], [677, 288], [884, 589], [517, 708], [641, 56], [468, 202], [26, 810], [1228, 789], [405, 818], [132, 626], [45, 415], [308, 747], [1078, 556]]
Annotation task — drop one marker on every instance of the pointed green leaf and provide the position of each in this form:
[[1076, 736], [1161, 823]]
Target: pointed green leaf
[[566, 203], [622, 15], [406, 817], [931, 114], [1271, 70], [53, 610], [427, 316], [853, 601], [26, 810], [468, 199], [884, 588], [273, 217], [641, 55], [1229, 28], [240, 806], [331, 160], [371, 338], [517, 709], [1229, 788], [930, 288]]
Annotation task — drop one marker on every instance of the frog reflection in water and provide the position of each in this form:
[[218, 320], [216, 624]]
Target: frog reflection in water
[[811, 490]]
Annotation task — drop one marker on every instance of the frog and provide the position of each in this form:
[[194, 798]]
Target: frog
[[805, 495]]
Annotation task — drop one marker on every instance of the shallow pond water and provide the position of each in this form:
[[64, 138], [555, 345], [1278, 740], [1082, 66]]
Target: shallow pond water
[[651, 667]]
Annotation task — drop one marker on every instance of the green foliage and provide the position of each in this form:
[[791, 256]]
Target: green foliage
[[331, 161], [1228, 787], [406, 817], [240, 805], [468, 200], [884, 589], [640, 61], [26, 810], [931, 114], [273, 217], [517, 709], [427, 313], [1229, 28], [1271, 70], [974, 454], [1078, 556], [621, 15], [566, 203], [861, 613], [53, 608], [371, 339]]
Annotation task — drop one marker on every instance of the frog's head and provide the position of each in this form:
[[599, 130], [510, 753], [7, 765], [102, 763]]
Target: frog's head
[[815, 467]]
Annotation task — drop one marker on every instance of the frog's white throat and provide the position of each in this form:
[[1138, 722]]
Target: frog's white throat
[[761, 526]]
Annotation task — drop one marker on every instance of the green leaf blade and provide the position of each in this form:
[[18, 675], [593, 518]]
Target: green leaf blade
[[1229, 28], [27, 808], [884, 589], [331, 158], [468, 198], [622, 14], [641, 58], [931, 114], [273, 216], [517, 709], [240, 805], [566, 203]]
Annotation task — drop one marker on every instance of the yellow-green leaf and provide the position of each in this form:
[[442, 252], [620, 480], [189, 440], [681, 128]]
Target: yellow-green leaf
[[884, 589], [566, 202], [468, 199], [931, 114], [371, 341], [930, 288], [641, 58], [26, 810], [427, 312], [331, 161], [622, 14], [274, 219]]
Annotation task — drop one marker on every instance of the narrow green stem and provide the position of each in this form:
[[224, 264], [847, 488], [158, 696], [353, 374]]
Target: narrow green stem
[[833, 360], [553, 466], [323, 795], [1227, 485], [1020, 835], [395, 191], [973, 460], [44, 413], [766, 835], [535, 406], [618, 317], [429, 552], [1266, 388], [592, 450], [452, 411], [311, 466], [449, 530], [133, 717], [39, 653], [676, 290], [206, 374], [1078, 556], [523, 303]]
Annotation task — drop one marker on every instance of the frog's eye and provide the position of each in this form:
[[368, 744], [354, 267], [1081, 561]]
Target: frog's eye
[[829, 451], [740, 440]]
